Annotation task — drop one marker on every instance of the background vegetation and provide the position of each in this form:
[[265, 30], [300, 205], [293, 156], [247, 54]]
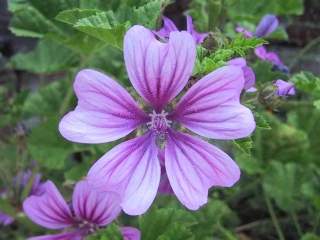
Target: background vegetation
[[278, 196]]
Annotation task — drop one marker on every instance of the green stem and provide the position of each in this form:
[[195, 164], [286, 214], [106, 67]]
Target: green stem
[[303, 51], [296, 223], [274, 218]]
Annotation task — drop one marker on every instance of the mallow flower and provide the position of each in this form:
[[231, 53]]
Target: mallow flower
[[284, 88], [266, 26], [169, 26], [159, 71], [90, 209], [248, 73]]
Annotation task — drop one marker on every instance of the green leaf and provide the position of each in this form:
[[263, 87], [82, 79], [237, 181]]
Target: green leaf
[[177, 232], [111, 232], [47, 57], [281, 184], [265, 74], [164, 222], [103, 26], [47, 147], [310, 236], [27, 21], [47, 101], [261, 121], [307, 82], [237, 47], [239, 10], [244, 144], [72, 16]]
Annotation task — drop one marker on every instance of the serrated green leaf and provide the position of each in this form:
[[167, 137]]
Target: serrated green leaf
[[177, 232], [158, 222], [103, 26], [47, 57], [261, 121], [279, 177], [307, 82], [72, 16], [244, 144], [237, 47]]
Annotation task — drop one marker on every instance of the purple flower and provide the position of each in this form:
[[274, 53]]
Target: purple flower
[[266, 26], [249, 76], [24, 177], [169, 26], [262, 53], [130, 233], [284, 88], [5, 219], [90, 210], [159, 71]]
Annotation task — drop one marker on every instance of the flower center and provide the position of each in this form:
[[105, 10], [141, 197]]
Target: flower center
[[159, 122], [88, 227]]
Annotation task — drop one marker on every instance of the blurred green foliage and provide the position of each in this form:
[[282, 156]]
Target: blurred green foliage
[[279, 187]]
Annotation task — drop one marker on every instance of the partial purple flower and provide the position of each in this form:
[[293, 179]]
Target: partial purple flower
[[246, 33], [5, 219], [272, 57], [169, 26], [24, 177], [159, 71], [249, 76], [284, 88], [90, 210], [268, 24], [130, 233]]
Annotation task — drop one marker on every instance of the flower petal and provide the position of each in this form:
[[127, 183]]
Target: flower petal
[[267, 25], [105, 110], [94, 206], [164, 186], [61, 236], [131, 168], [285, 88], [157, 70], [249, 76], [130, 233], [193, 166], [198, 37], [211, 107], [167, 28], [48, 209]]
